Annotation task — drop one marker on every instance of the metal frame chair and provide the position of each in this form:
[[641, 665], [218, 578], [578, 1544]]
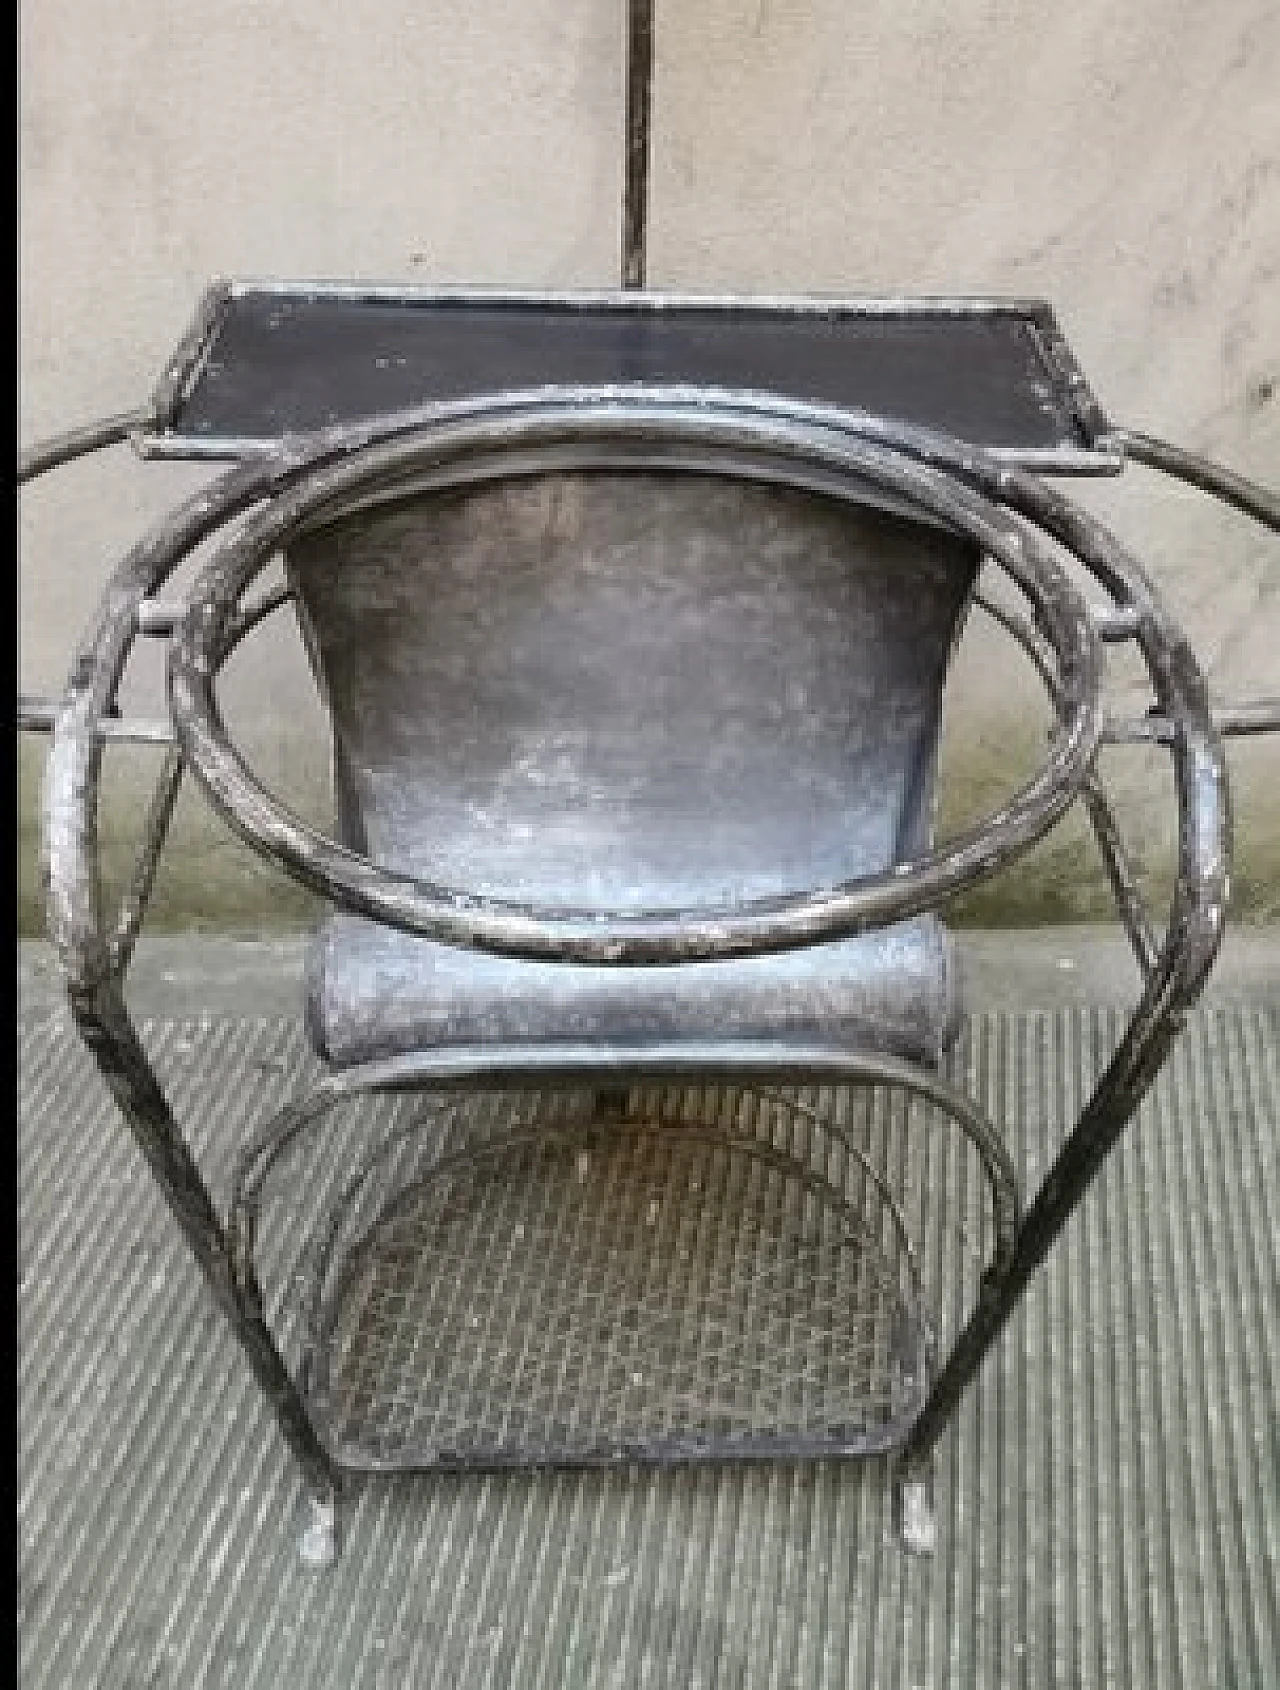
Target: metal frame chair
[[272, 503]]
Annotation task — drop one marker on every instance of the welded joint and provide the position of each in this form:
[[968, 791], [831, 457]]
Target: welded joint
[[40, 716], [1231, 721], [1152, 729], [157, 618], [1116, 622]]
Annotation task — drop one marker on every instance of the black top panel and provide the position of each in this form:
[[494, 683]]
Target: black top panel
[[268, 360]]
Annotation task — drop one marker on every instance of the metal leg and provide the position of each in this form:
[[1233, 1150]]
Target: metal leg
[[1115, 1099], [104, 1024]]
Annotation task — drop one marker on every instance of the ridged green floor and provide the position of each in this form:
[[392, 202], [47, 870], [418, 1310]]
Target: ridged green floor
[[1109, 1499]]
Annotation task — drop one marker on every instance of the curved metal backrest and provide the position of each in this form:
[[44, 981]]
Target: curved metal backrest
[[631, 688]]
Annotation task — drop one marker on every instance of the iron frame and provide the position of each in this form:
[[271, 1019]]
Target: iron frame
[[944, 476]]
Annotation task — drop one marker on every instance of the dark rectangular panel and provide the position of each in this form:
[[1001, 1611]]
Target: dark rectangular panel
[[267, 360]]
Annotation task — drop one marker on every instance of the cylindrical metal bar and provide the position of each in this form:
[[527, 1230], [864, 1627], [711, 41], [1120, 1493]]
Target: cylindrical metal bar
[[1138, 730], [1130, 905], [1114, 622], [635, 191], [157, 618], [79, 442], [40, 716], [104, 1024], [1193, 935], [1261, 716], [36, 715], [249, 618], [155, 829], [1235, 490], [1124, 880]]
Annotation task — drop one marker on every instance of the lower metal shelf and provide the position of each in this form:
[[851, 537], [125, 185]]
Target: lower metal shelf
[[603, 1290]]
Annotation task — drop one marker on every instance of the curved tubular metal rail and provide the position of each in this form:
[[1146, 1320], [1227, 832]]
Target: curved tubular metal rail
[[38, 715], [947, 476], [1115, 857], [736, 442], [1192, 936], [569, 1065], [252, 1172], [1257, 716], [1201, 473], [80, 442]]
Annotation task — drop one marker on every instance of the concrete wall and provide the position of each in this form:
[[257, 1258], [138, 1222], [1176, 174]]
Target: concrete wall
[[1123, 162]]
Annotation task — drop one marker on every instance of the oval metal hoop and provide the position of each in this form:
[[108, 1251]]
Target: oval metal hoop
[[530, 435]]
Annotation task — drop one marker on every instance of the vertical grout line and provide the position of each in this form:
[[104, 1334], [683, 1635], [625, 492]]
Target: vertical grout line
[[635, 188]]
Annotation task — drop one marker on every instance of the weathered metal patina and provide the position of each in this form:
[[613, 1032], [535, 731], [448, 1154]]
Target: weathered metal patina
[[635, 694]]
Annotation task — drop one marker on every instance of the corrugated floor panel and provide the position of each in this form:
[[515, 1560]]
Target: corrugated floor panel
[[1109, 1500]]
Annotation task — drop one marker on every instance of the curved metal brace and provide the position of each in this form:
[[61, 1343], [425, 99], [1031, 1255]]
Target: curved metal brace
[[635, 189], [1192, 937], [1106, 831], [105, 1026], [1201, 473], [566, 1065], [80, 442], [997, 1164], [94, 962], [1257, 716], [38, 715]]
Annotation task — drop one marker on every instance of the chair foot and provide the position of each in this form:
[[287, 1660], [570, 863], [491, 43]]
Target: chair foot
[[917, 1522], [319, 1545]]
